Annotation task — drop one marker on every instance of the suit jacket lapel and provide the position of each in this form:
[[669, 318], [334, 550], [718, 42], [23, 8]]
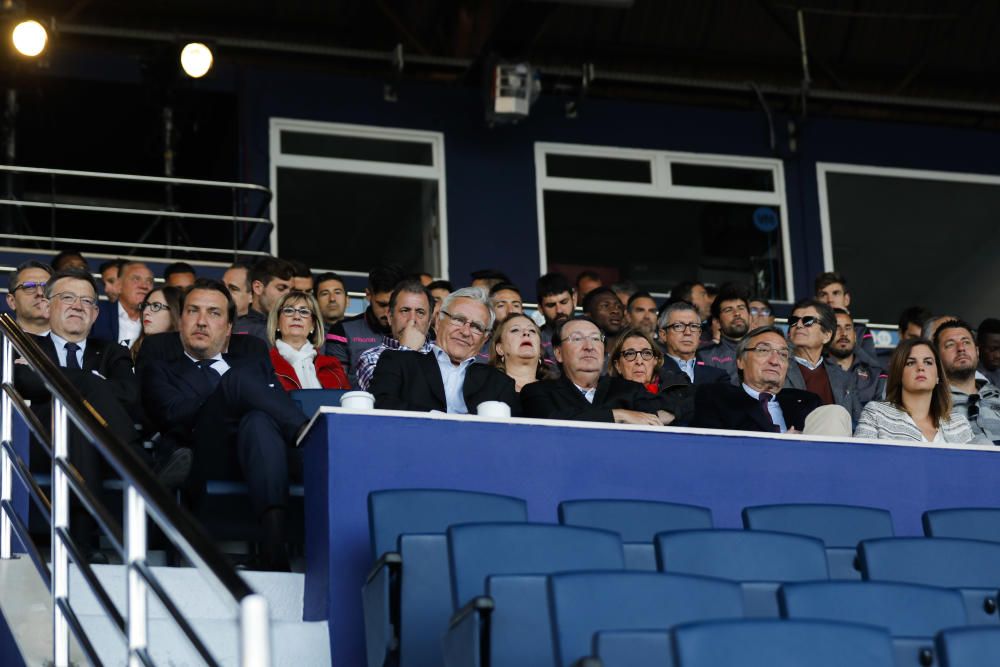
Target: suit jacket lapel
[[603, 387], [569, 389], [432, 372], [794, 377], [791, 408], [839, 379], [189, 373], [92, 355], [48, 347], [756, 411]]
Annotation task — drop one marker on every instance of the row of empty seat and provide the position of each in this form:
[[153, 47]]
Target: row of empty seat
[[463, 579]]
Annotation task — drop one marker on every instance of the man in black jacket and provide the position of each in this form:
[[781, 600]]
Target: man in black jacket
[[680, 334], [447, 378], [582, 394], [759, 403]]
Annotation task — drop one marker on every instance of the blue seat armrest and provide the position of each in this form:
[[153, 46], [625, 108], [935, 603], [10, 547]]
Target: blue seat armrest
[[468, 634], [380, 608], [390, 559]]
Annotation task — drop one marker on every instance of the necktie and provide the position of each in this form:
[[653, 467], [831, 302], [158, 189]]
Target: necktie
[[211, 376], [972, 407], [764, 399], [71, 360]]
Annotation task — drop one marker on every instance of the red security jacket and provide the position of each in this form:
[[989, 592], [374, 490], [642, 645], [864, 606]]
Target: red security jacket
[[330, 373]]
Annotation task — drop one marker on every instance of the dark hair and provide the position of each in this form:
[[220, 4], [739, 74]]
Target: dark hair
[[174, 296], [490, 274], [561, 324], [588, 274], [246, 267], [592, 295], [64, 255], [24, 266], [411, 287], [499, 287], [635, 297], [326, 277], [117, 263], [712, 290], [300, 269], [989, 326], [267, 269], [213, 285], [941, 399], [913, 315], [383, 279], [551, 284], [763, 301], [76, 274], [178, 267], [824, 280], [744, 345], [682, 291], [827, 318], [729, 292], [626, 286], [442, 284], [952, 324], [616, 352], [843, 311]]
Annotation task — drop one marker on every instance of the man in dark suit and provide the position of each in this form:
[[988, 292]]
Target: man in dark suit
[[121, 321], [680, 334], [227, 406], [447, 378], [759, 403], [582, 394]]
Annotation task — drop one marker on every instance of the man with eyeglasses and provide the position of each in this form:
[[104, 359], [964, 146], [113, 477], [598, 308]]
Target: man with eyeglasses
[[410, 308], [583, 394], [732, 310], [855, 378], [761, 313], [447, 378], [680, 334], [976, 400], [26, 296], [761, 402]]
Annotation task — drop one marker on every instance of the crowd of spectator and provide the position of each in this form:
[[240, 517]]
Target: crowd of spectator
[[193, 373]]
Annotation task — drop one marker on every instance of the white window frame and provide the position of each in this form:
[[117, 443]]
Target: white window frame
[[824, 168], [435, 171], [661, 186]]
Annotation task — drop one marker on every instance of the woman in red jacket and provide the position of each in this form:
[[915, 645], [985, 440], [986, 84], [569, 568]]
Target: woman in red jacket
[[295, 330]]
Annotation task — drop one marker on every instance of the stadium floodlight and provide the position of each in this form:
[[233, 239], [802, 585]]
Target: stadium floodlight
[[196, 59], [30, 38]]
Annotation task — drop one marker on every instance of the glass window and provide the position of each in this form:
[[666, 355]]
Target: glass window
[[356, 148], [599, 168], [731, 178]]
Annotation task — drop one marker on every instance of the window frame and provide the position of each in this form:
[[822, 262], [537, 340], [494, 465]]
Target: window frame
[[435, 171], [661, 186]]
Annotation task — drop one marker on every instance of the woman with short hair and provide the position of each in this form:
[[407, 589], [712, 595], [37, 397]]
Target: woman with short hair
[[295, 330]]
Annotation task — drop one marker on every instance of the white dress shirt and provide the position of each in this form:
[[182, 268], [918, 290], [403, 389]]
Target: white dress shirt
[[686, 366], [128, 329], [453, 378], [587, 393], [60, 344], [773, 407]]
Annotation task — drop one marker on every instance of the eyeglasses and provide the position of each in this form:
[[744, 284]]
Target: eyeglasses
[[154, 306], [461, 321], [288, 311], [681, 327], [756, 312], [68, 299], [806, 321], [579, 338], [765, 351], [629, 355], [30, 287]]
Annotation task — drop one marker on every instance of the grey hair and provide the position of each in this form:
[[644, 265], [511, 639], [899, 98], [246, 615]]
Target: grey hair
[[675, 307], [744, 343], [477, 294]]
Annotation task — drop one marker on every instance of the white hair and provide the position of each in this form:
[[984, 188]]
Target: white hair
[[477, 294]]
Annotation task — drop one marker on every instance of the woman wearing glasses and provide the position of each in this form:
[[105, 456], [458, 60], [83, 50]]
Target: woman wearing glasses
[[918, 401], [634, 357], [295, 330], [517, 350], [160, 312]]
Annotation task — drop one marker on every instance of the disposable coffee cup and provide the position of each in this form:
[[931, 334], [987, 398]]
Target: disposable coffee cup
[[357, 400], [493, 409]]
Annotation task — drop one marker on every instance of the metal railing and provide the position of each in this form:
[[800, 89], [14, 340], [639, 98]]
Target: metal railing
[[144, 496], [165, 210]]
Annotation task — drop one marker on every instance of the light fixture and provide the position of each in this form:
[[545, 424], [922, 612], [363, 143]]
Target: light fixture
[[30, 38], [196, 59]]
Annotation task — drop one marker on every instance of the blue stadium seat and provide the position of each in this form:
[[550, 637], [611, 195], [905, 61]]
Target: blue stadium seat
[[406, 609], [498, 573], [311, 400], [840, 527], [759, 560], [774, 643], [913, 614], [967, 523], [971, 566], [583, 603], [968, 647], [637, 521], [632, 648]]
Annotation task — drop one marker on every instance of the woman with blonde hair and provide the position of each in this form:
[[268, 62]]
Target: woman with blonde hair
[[516, 349], [295, 331]]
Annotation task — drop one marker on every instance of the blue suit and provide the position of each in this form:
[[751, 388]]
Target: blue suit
[[106, 326]]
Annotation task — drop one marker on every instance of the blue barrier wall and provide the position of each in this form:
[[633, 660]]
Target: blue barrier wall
[[348, 455]]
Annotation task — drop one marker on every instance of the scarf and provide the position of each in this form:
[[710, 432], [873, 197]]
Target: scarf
[[302, 361]]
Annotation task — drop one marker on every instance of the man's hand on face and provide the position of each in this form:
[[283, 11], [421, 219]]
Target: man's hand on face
[[412, 337]]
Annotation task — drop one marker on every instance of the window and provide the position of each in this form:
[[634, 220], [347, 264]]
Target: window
[[657, 218], [905, 237], [350, 197]]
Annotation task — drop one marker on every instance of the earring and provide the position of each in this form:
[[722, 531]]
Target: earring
[[312, 331]]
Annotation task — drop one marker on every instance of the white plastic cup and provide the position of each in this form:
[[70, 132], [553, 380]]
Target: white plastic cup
[[493, 409], [357, 400]]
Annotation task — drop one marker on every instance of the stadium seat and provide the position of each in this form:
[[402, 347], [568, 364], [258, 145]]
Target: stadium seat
[[774, 643], [406, 610], [637, 521], [498, 573], [967, 523], [913, 614], [311, 400], [968, 647], [583, 603], [759, 560], [971, 566], [632, 648], [840, 527]]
